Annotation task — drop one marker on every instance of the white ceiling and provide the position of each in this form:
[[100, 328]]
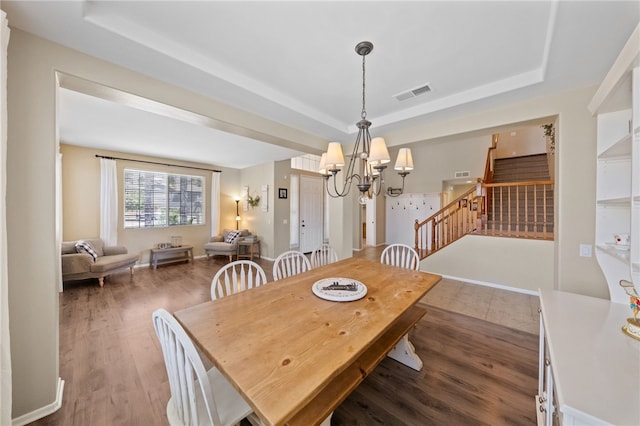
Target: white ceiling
[[294, 62]]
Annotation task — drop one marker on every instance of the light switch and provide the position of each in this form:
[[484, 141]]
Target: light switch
[[585, 250]]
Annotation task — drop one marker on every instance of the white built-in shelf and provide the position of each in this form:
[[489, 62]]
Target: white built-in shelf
[[622, 148], [616, 252], [615, 202]]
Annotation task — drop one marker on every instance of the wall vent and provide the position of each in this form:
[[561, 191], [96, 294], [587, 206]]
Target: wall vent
[[425, 88], [463, 174]]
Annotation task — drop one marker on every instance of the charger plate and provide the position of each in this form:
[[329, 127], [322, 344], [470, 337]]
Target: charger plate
[[323, 289]]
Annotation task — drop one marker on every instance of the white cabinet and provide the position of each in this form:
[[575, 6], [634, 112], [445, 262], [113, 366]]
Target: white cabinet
[[589, 370], [613, 198], [617, 106]]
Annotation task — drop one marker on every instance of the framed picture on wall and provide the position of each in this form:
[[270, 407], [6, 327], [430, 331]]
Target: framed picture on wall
[[282, 193]]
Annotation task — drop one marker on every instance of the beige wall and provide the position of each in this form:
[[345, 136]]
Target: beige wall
[[257, 221], [511, 262], [438, 159], [281, 208], [33, 294], [521, 141], [81, 200]]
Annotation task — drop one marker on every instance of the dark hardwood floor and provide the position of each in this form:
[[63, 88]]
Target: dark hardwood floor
[[475, 372]]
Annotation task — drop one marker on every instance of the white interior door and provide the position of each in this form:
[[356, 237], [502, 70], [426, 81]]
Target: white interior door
[[370, 214], [311, 209]]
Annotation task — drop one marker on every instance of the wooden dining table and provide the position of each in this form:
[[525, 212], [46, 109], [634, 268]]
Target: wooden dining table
[[294, 356]]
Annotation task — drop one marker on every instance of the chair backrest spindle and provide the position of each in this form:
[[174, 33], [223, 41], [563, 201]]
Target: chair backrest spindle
[[400, 255], [237, 276], [290, 263], [323, 255]]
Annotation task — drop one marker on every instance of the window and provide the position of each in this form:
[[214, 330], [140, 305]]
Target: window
[[154, 199], [308, 162]]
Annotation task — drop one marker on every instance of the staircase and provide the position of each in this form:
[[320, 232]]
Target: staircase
[[515, 199], [520, 169], [520, 198]]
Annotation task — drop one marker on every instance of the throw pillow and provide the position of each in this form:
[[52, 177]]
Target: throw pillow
[[83, 246], [231, 237]]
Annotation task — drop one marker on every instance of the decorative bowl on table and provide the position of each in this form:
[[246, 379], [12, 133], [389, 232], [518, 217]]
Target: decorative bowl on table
[[338, 289]]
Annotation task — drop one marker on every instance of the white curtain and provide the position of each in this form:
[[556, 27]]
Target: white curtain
[[215, 203], [5, 348], [108, 202]]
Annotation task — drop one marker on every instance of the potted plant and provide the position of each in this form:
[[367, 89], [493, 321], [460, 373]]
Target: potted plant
[[550, 133], [253, 201]]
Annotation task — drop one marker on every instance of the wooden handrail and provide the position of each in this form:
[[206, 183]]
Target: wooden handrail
[[488, 168], [448, 206], [523, 183], [514, 209], [448, 224]]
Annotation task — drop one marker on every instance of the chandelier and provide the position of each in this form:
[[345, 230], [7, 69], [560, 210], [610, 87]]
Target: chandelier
[[371, 154]]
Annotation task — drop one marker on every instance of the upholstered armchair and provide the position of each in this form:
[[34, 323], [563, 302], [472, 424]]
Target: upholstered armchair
[[225, 244]]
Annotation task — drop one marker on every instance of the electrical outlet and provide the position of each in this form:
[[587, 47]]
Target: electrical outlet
[[585, 250]]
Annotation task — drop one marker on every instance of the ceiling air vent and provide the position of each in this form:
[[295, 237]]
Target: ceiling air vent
[[413, 92], [463, 174]]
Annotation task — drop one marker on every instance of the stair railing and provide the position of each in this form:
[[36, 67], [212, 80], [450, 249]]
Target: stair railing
[[453, 221], [519, 209], [514, 209]]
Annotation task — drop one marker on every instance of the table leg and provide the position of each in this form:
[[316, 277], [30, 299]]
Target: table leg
[[405, 353]]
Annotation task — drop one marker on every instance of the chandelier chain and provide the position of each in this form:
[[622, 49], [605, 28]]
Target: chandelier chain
[[363, 114]]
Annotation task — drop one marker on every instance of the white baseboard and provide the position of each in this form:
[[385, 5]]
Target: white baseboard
[[42, 411], [487, 284]]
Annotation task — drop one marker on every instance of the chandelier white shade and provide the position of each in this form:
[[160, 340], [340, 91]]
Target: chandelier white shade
[[404, 162], [334, 157], [379, 153], [372, 154], [322, 168]]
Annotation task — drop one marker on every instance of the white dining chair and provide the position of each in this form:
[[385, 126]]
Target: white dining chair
[[198, 397], [290, 263], [237, 276], [400, 255], [323, 255], [403, 256]]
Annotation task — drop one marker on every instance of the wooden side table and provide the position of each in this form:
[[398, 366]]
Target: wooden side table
[[172, 254], [246, 249]]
